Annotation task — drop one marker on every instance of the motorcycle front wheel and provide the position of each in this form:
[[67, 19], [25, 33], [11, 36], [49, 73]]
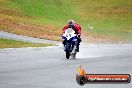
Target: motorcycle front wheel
[[67, 55], [67, 51]]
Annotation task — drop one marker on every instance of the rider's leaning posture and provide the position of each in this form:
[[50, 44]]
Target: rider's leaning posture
[[77, 28]]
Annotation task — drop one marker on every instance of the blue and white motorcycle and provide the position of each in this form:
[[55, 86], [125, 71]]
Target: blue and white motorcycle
[[70, 42]]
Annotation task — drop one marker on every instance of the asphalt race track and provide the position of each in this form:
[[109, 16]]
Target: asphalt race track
[[47, 67], [7, 35]]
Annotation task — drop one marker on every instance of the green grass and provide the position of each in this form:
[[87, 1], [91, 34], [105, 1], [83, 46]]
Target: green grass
[[9, 43], [108, 17], [46, 11]]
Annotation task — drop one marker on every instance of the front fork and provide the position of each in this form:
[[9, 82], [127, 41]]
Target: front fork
[[72, 44], [64, 46]]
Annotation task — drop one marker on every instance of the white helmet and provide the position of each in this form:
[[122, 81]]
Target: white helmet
[[71, 22]]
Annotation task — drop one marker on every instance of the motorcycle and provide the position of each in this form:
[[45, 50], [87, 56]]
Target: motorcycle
[[70, 42]]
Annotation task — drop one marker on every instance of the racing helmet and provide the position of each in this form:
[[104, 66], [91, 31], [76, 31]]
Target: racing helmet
[[71, 22]]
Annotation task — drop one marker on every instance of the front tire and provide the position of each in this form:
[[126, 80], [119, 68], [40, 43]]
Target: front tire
[[67, 51], [67, 55]]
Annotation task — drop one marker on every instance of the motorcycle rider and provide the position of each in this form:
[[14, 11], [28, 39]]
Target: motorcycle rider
[[77, 28]]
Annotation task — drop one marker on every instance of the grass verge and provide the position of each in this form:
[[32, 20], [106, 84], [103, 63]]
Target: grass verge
[[9, 43]]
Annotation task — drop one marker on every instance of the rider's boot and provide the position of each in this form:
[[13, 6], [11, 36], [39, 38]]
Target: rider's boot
[[78, 47]]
